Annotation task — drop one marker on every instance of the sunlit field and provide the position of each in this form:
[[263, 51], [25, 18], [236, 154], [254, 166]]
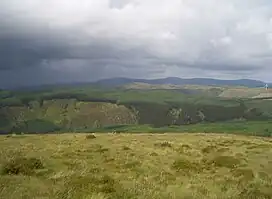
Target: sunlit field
[[142, 166]]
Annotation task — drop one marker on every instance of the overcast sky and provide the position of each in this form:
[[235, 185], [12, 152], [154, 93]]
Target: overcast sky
[[48, 41]]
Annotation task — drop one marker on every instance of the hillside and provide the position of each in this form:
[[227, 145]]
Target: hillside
[[214, 91], [140, 166], [84, 108], [54, 115], [121, 81]]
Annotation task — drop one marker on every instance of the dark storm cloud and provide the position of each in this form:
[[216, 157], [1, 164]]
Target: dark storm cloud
[[21, 52], [91, 39]]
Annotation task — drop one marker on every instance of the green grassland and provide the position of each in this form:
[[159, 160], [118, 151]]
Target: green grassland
[[142, 166], [252, 128], [213, 91], [87, 107]]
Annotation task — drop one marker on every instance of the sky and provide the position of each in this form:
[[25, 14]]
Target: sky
[[43, 42]]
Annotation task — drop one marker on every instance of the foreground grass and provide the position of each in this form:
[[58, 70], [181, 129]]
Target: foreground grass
[[144, 166]]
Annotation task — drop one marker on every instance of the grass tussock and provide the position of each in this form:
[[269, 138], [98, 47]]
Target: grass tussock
[[131, 167], [183, 149], [244, 173], [165, 177], [126, 148], [98, 148], [255, 192], [91, 136], [102, 150], [185, 165], [153, 154], [132, 164], [226, 161], [209, 149], [164, 144], [21, 165], [88, 185]]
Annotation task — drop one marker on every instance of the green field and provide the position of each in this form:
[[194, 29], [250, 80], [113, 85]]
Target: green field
[[261, 128]]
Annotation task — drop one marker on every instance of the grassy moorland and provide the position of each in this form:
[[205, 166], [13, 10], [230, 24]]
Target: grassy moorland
[[140, 166], [173, 144]]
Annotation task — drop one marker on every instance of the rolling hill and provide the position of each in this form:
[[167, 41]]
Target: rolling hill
[[83, 106], [179, 81], [121, 81]]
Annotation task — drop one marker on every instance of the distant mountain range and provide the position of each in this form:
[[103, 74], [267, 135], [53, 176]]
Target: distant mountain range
[[180, 81], [121, 81]]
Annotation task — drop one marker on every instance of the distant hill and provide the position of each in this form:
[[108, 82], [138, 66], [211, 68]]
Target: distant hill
[[121, 81], [179, 81]]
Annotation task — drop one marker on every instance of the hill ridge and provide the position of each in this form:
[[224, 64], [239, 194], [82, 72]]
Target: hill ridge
[[120, 81]]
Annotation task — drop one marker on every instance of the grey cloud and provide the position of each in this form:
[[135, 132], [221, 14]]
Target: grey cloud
[[119, 4], [97, 39]]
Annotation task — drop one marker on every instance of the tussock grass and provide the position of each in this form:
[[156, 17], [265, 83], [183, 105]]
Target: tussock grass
[[154, 154], [132, 164], [226, 161], [209, 149], [185, 165], [244, 173], [126, 148], [136, 166], [21, 165], [102, 150], [91, 136], [163, 144]]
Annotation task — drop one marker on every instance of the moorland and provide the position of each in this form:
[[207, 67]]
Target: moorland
[[136, 140]]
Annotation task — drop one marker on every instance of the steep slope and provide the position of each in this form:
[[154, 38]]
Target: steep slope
[[64, 114]]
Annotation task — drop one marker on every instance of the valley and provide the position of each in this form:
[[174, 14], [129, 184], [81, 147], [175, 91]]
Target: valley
[[136, 141]]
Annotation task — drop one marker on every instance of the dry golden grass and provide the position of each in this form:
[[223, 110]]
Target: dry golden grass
[[146, 166]]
